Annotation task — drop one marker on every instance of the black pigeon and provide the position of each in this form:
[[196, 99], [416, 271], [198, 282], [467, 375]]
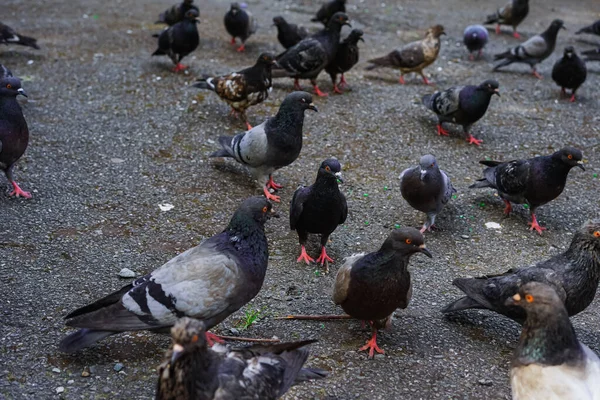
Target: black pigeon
[[463, 105], [549, 362], [193, 371], [14, 133], [239, 23], [512, 14], [244, 88], [289, 34], [593, 29], [328, 10], [176, 13], [179, 40], [475, 37], [534, 182], [345, 58], [271, 145], [569, 72], [208, 282], [574, 274], [9, 36], [370, 287], [535, 50], [308, 58], [319, 208]]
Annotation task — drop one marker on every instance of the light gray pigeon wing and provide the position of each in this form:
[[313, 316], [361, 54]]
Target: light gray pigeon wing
[[449, 190], [253, 146], [535, 47], [448, 102]]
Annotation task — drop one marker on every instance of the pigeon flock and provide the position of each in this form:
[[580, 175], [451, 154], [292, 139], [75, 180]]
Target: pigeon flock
[[201, 287]]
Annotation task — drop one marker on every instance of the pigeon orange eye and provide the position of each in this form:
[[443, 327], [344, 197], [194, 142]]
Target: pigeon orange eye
[[194, 338], [529, 298], [9, 86], [408, 241], [265, 209], [597, 234], [570, 156], [327, 168]]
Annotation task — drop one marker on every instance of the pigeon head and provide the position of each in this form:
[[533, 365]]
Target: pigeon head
[[298, 101], [587, 238], [331, 168], [569, 52], [490, 86], [255, 208], [556, 25], [235, 8], [279, 20], [188, 334], [538, 300], [355, 36], [571, 156], [436, 31], [188, 2], [266, 59], [338, 20], [428, 164], [192, 15], [406, 241], [11, 87]]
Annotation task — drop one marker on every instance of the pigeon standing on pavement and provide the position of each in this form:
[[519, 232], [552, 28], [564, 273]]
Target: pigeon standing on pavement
[[535, 181], [193, 371], [414, 56], [426, 188], [463, 105], [208, 282], [549, 362], [244, 88], [574, 274], [289, 34], [9, 36], [535, 50], [345, 58], [176, 13], [328, 10], [593, 29], [512, 14], [370, 287], [239, 23], [271, 145], [569, 72], [179, 40], [319, 208], [475, 37]]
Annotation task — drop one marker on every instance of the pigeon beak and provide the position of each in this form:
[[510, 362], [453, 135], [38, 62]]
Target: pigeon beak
[[562, 27], [423, 173], [22, 92], [274, 214], [348, 23], [497, 92], [338, 175], [312, 106], [423, 249], [361, 39], [513, 301], [177, 352], [580, 165]]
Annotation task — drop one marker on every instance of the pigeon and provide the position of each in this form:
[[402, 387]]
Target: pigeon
[[370, 287], [535, 50], [14, 133], [289, 34], [512, 13], [592, 55], [345, 58], [179, 40], [534, 182], [208, 282], [549, 362], [175, 14], [9, 36], [426, 188], [244, 88], [475, 38], [311, 55], [414, 56], [239, 23], [463, 105], [271, 145], [593, 29], [574, 274], [319, 208], [193, 371], [328, 10], [569, 72]]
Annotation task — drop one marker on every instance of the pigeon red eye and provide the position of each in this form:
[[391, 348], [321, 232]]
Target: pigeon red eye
[[9, 86], [327, 168], [194, 338], [597, 234], [570, 157], [408, 241], [265, 209], [529, 298]]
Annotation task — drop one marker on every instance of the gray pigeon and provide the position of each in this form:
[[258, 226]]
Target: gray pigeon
[[574, 275], [549, 362], [193, 371], [535, 50], [426, 188], [271, 145], [209, 282], [512, 14]]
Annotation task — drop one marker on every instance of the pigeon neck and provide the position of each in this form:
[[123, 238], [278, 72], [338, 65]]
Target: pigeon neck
[[325, 179], [585, 255], [244, 226], [550, 35], [10, 107], [288, 121]]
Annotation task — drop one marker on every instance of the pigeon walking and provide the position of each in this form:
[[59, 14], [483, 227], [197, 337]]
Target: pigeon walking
[[463, 105], [239, 23], [370, 287], [179, 40], [289, 34], [328, 10], [244, 88], [512, 14], [549, 362], [574, 274], [176, 13], [319, 208], [193, 371], [535, 50], [345, 58], [414, 56], [271, 145], [9, 36], [569, 72], [593, 29], [475, 37], [426, 188], [535, 181], [208, 282]]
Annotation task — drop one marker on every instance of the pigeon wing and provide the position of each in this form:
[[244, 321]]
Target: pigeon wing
[[297, 205], [308, 55]]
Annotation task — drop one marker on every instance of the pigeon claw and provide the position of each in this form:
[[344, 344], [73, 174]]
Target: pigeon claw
[[472, 140], [323, 258], [297, 85], [337, 90], [401, 80], [305, 257], [508, 208], [242, 48], [534, 225], [343, 82], [572, 99], [18, 192], [425, 80], [441, 131], [497, 29], [536, 74], [232, 41], [319, 93], [272, 185], [211, 339], [271, 196], [179, 67], [516, 35], [371, 345]]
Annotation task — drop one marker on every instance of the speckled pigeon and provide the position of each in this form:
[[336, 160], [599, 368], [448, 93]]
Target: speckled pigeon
[[346, 57], [208, 282], [569, 72], [475, 37], [179, 40], [463, 105], [593, 29], [328, 10], [9, 36], [239, 23], [512, 14], [289, 34], [175, 14]]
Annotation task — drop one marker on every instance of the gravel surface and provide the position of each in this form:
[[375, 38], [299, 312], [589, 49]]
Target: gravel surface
[[115, 135]]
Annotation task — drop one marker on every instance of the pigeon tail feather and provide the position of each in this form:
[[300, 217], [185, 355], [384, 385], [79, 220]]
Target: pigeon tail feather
[[378, 62], [226, 151], [481, 183], [159, 52], [81, 339], [464, 303]]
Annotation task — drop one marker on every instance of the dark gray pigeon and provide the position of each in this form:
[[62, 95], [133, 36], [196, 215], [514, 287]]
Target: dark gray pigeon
[[193, 371], [328, 10], [370, 287], [179, 40], [289, 34], [176, 13], [319, 208], [569, 72], [535, 50], [511, 14], [426, 188], [346, 57], [592, 55], [9, 36], [535, 181], [574, 275], [475, 37], [239, 23], [593, 29], [549, 362], [271, 145], [463, 105], [208, 282]]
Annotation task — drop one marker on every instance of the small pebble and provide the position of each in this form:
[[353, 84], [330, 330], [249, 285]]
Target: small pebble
[[60, 389], [485, 382], [126, 273], [234, 331], [56, 370], [85, 373], [464, 236], [70, 382], [118, 367]]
